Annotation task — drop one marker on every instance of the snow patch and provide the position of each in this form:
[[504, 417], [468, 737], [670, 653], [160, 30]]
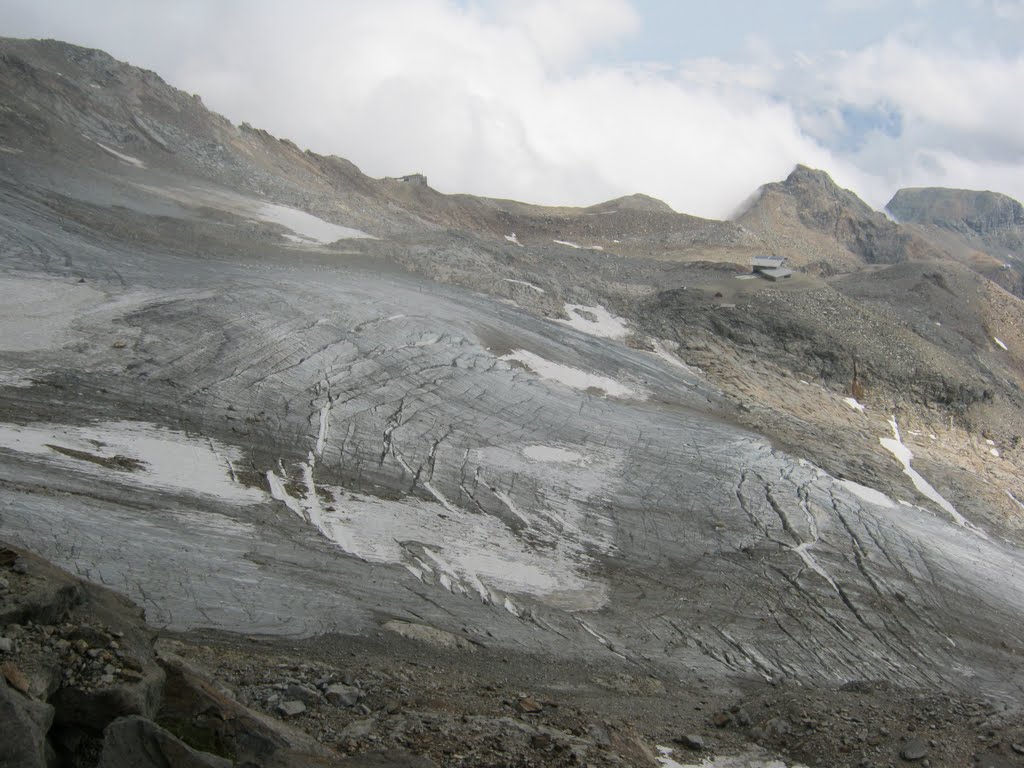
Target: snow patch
[[136, 454], [463, 552], [16, 377], [852, 402], [573, 377], [1000, 344], [122, 157], [553, 454], [577, 246], [531, 286], [601, 322], [662, 350], [903, 455], [307, 227], [867, 494], [1015, 500], [513, 239]]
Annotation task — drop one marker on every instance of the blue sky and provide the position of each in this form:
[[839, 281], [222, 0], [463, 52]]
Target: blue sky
[[576, 101]]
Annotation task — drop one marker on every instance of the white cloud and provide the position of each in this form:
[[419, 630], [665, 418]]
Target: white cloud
[[515, 99], [958, 111], [1009, 10]]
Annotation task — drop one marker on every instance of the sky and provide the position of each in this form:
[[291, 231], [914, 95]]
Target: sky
[[579, 101]]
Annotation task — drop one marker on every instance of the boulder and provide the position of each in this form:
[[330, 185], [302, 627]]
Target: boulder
[[24, 724], [308, 696], [45, 597], [207, 717], [140, 743], [291, 708], [914, 749], [343, 695], [96, 708], [692, 741]]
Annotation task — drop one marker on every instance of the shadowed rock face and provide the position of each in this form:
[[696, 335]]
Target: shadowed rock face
[[820, 206], [991, 215], [248, 429]]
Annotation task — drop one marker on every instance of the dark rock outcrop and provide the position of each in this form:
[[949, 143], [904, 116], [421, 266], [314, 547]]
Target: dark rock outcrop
[[140, 743], [82, 672], [24, 724]]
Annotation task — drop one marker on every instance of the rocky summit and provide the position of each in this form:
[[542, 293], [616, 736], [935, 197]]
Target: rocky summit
[[300, 467]]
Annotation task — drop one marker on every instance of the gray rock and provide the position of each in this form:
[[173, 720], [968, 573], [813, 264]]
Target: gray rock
[[6, 645], [141, 743], [343, 695], [193, 701], [308, 696], [915, 749], [24, 724], [777, 727], [692, 741], [390, 759], [358, 730], [290, 708], [96, 709]]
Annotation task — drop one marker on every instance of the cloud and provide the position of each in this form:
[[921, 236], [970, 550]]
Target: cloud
[[519, 99], [944, 116]]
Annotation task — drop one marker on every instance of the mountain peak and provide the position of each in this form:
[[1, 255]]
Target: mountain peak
[[977, 211], [814, 221], [635, 202]]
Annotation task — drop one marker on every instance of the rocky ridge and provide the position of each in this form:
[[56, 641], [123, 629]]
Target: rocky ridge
[[983, 230]]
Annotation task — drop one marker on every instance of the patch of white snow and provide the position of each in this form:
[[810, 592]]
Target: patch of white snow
[[122, 157], [852, 402], [999, 344], [903, 455], [865, 493], [573, 377], [536, 288], [166, 459], [307, 226], [601, 322]]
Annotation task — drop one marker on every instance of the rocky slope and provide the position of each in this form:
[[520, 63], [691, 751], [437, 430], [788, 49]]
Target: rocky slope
[[819, 226], [84, 681], [984, 230], [559, 456]]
